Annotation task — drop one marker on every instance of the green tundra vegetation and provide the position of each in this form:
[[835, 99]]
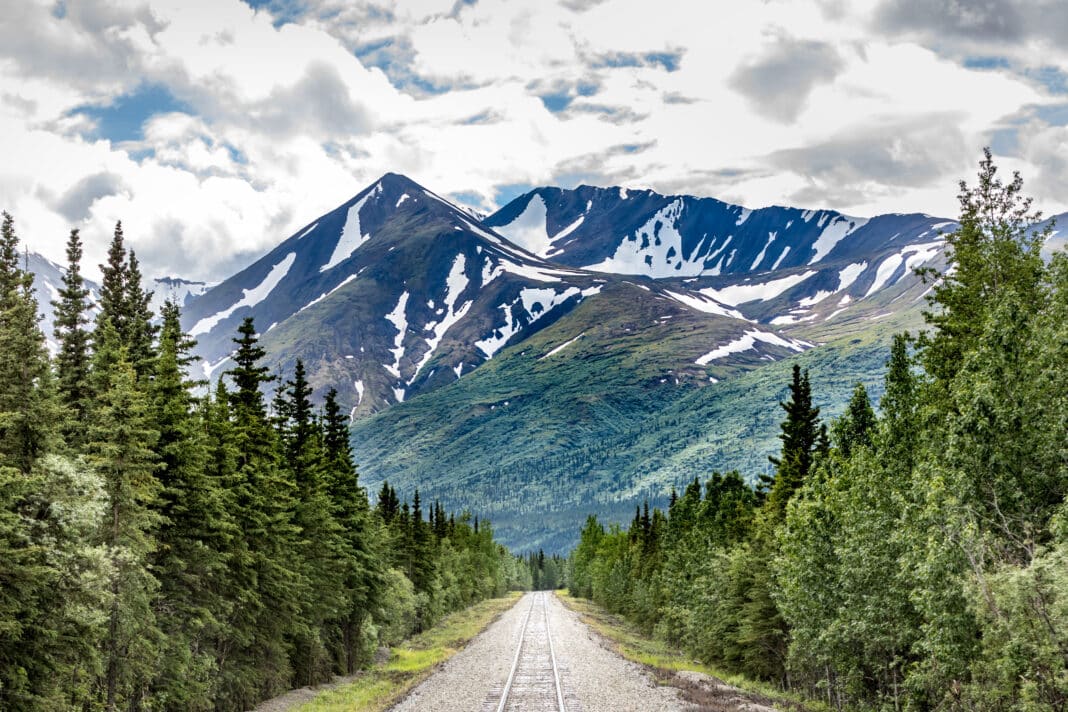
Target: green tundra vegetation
[[914, 559], [164, 550]]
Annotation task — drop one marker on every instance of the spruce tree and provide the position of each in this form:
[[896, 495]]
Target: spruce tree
[[195, 534], [113, 285], [72, 359], [363, 581], [800, 435], [900, 425], [140, 331], [120, 444], [262, 571], [28, 408], [320, 548], [856, 427]]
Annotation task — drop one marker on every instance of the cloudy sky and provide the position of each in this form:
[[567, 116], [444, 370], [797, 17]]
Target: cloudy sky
[[215, 128]]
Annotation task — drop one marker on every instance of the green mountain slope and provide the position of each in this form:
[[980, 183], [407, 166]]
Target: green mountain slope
[[536, 442]]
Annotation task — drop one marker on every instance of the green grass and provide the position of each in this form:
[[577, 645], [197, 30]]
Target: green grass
[[411, 662], [663, 660]]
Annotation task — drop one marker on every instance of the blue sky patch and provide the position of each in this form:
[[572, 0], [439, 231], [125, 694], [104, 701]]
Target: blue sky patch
[[284, 11], [1052, 78], [124, 118], [986, 62], [508, 192], [467, 198], [556, 102], [668, 61]]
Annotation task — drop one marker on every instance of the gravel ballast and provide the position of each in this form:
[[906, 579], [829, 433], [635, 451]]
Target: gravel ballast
[[593, 678]]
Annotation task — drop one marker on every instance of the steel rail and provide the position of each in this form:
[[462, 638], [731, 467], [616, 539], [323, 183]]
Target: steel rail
[[519, 654], [515, 661]]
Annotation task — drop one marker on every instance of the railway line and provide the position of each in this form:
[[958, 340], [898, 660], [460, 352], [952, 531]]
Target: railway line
[[533, 683]]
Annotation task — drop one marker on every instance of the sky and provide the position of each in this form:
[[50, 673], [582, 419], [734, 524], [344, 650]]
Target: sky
[[216, 128]]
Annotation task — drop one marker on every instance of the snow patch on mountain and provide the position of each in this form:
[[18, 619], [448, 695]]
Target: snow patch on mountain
[[399, 320], [455, 284], [537, 302], [704, 304], [760, 257], [748, 341], [175, 289], [782, 256], [323, 296], [921, 253], [250, 298], [569, 229], [654, 249], [562, 346], [351, 235], [884, 272], [835, 232], [763, 291], [849, 274]]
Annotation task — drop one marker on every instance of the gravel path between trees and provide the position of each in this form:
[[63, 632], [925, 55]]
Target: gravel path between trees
[[593, 678]]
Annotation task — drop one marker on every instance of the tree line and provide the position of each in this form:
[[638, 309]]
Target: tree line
[[161, 549], [910, 559]]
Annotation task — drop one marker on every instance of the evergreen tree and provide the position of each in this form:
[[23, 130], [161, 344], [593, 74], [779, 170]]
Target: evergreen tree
[[320, 547], [268, 587], [72, 360], [900, 424], [120, 444], [195, 534], [800, 434], [140, 331], [113, 285], [362, 580], [28, 408], [856, 427]]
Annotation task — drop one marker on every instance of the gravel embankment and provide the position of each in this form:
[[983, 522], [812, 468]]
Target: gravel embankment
[[466, 679], [594, 679]]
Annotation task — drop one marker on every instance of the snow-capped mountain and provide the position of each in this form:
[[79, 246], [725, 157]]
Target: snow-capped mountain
[[398, 292], [773, 264]]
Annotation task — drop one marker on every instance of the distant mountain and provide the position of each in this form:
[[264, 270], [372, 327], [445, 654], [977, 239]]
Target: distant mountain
[[175, 289], [397, 292], [663, 236]]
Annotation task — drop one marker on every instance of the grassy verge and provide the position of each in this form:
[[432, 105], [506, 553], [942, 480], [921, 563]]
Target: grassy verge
[[411, 662], [663, 661]]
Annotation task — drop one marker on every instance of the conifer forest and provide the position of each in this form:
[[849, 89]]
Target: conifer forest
[[169, 546]]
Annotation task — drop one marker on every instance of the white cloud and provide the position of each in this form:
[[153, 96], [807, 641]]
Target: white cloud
[[286, 122]]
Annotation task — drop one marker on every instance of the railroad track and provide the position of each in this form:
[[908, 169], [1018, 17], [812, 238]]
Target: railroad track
[[533, 684]]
